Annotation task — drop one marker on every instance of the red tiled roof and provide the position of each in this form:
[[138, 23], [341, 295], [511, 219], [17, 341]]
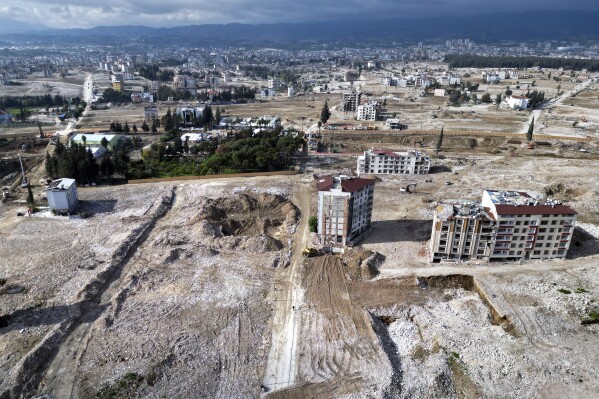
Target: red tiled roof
[[503, 209], [348, 185]]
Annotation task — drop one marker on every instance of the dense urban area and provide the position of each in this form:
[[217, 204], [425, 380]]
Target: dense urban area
[[414, 220]]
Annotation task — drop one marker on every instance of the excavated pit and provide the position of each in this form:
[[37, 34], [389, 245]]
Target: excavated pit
[[469, 283], [250, 215]]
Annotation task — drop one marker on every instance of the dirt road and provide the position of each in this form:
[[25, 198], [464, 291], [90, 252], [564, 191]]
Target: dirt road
[[287, 294]]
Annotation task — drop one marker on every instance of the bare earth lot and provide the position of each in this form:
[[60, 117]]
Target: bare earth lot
[[200, 290]]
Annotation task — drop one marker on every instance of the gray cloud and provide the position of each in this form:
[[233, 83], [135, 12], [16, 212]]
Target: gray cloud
[[89, 13]]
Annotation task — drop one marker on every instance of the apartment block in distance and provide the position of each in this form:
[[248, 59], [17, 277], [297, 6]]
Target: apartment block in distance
[[505, 225], [376, 162], [344, 210]]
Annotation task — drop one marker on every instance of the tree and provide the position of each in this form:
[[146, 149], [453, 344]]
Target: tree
[[508, 93], [530, 129], [134, 128], [498, 99], [313, 224], [126, 127], [145, 127], [486, 98], [439, 142], [104, 142], [106, 167], [49, 166], [154, 126], [30, 198], [325, 113]]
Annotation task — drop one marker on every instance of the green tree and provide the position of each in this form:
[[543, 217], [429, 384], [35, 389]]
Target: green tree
[[313, 224], [325, 113], [145, 127], [486, 98], [134, 128], [530, 129], [107, 167], [30, 198], [104, 142], [439, 142], [126, 128]]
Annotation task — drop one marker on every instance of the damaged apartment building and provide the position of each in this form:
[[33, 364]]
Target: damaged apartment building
[[505, 225], [376, 162], [344, 210]]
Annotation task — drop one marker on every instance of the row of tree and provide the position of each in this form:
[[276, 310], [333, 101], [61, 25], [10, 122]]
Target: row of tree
[[46, 101], [113, 96], [479, 61], [242, 152]]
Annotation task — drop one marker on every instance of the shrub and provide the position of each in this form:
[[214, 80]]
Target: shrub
[[565, 291]]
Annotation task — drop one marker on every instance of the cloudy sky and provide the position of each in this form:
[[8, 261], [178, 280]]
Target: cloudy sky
[[156, 13]]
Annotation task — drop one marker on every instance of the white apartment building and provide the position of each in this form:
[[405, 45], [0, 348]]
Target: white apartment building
[[62, 195], [344, 210], [378, 162], [368, 112], [150, 113], [506, 225], [274, 83]]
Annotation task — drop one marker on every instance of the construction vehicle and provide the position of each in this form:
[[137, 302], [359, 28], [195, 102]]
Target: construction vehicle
[[310, 252], [410, 188], [24, 181]]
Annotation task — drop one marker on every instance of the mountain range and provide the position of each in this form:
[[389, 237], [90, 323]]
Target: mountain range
[[519, 27]]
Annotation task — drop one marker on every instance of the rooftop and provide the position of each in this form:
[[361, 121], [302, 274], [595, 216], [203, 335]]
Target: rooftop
[[465, 209], [61, 184], [521, 203], [91, 138], [346, 184]]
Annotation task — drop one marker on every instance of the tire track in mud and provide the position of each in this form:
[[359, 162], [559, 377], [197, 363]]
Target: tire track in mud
[[57, 354]]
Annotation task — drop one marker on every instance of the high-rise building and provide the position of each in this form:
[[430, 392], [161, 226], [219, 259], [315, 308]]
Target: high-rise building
[[344, 210]]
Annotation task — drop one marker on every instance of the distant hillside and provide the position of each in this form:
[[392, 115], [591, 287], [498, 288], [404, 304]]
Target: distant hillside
[[524, 26]]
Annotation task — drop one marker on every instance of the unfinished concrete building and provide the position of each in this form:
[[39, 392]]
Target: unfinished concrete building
[[506, 225], [351, 101], [344, 210], [377, 161]]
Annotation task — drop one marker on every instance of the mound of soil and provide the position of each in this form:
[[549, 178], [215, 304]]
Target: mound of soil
[[364, 265]]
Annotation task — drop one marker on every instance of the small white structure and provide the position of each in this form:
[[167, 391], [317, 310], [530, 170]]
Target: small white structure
[[439, 92], [290, 91], [518, 102], [62, 195], [393, 124]]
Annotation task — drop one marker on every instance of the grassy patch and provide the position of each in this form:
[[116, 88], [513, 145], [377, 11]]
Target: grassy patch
[[592, 319], [580, 291], [565, 291], [419, 353], [125, 387]]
